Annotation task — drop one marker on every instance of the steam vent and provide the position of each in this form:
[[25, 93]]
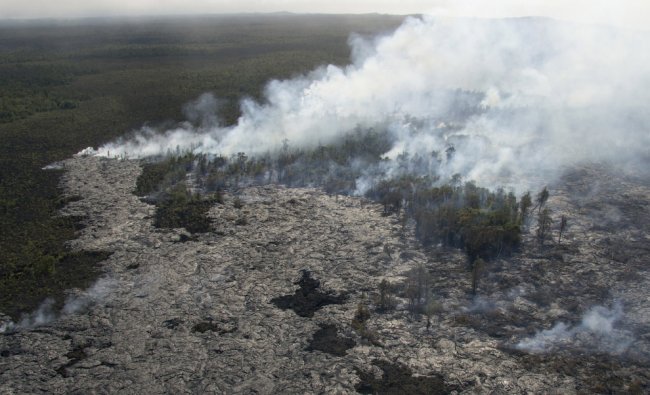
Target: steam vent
[[284, 294]]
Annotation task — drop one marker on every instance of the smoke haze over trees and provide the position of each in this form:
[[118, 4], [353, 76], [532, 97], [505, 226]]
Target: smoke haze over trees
[[517, 99]]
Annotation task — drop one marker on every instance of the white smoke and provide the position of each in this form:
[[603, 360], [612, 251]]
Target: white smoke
[[203, 111], [77, 303], [596, 331], [515, 97], [44, 314], [74, 304]]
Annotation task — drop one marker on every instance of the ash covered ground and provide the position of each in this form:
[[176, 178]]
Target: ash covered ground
[[281, 296]]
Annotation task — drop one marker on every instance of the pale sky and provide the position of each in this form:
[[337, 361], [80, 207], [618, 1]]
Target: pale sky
[[623, 13]]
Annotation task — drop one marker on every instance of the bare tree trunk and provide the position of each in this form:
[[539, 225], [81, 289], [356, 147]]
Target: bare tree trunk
[[563, 222]]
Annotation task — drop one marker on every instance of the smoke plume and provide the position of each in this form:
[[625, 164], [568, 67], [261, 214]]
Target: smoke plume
[[74, 304], [518, 99], [596, 331]]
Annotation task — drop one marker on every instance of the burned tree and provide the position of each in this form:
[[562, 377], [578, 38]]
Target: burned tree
[[524, 206], [477, 270], [385, 301], [563, 224], [418, 289], [430, 310], [542, 197], [544, 222]]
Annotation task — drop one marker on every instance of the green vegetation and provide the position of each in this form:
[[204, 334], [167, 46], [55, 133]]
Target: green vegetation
[[49, 275], [164, 184], [67, 85], [485, 224], [159, 176], [181, 209]]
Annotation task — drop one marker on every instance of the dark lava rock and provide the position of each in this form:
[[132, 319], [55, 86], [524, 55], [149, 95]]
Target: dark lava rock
[[327, 340], [220, 329], [11, 350], [183, 238], [398, 379], [308, 298], [172, 323]]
